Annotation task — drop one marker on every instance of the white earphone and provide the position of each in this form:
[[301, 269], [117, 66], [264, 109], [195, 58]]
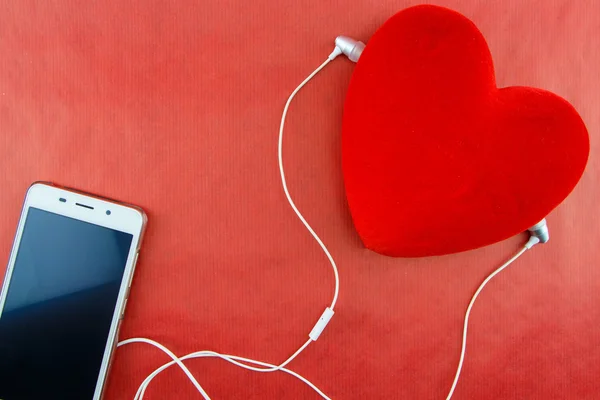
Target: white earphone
[[349, 47], [540, 230], [538, 234]]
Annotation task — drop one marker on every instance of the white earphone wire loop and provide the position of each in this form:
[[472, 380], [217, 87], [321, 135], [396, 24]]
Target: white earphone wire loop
[[236, 360], [175, 360]]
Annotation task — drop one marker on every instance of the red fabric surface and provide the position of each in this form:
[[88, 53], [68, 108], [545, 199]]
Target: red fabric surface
[[175, 106], [436, 158]]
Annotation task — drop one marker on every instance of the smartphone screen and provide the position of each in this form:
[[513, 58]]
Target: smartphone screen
[[59, 307]]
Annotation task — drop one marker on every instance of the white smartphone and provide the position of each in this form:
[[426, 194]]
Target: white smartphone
[[65, 292]]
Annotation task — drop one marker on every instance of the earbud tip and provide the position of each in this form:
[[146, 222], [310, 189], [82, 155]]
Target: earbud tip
[[540, 230]]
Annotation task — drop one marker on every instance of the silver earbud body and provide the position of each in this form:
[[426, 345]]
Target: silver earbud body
[[349, 47]]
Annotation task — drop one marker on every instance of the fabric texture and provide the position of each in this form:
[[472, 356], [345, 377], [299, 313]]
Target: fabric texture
[[175, 106]]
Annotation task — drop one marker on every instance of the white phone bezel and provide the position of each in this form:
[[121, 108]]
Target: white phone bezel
[[122, 217]]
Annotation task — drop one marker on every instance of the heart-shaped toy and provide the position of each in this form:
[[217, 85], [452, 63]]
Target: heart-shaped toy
[[437, 159]]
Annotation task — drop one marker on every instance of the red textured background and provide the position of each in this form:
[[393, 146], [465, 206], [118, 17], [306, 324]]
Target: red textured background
[[175, 106]]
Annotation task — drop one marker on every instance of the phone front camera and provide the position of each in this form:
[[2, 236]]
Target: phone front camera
[[108, 212]]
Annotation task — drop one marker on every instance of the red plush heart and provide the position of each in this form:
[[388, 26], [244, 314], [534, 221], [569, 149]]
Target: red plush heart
[[436, 158]]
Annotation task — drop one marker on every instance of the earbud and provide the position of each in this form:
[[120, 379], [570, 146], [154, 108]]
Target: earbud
[[349, 47], [540, 231]]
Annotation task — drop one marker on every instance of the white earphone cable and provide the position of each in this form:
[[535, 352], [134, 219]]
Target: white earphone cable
[[532, 241], [285, 188], [326, 316], [241, 361], [175, 360], [236, 360]]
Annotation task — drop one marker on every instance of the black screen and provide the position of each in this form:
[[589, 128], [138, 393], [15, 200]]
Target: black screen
[[59, 307]]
